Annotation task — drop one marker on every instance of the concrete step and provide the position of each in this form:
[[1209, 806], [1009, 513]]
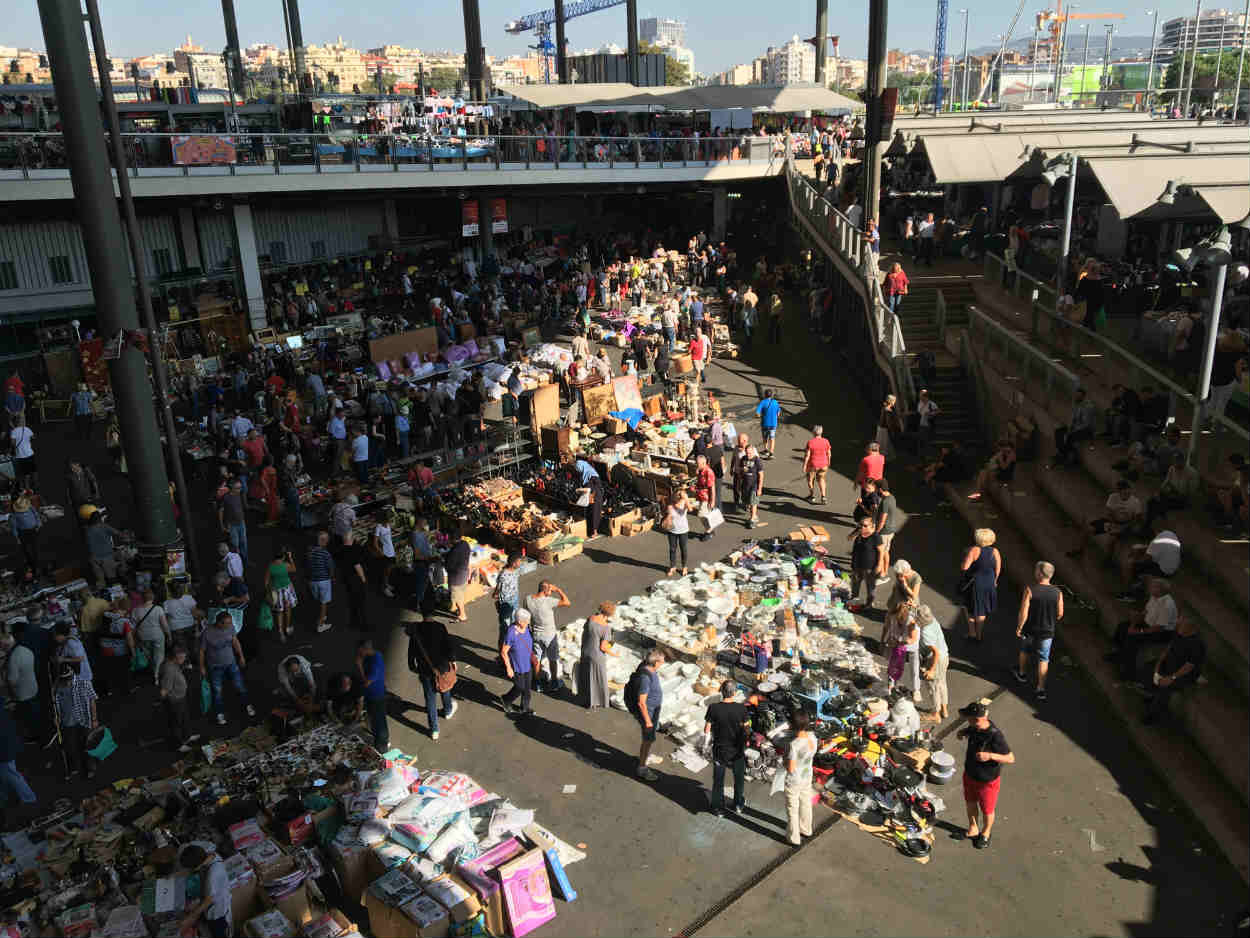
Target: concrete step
[[1080, 499], [1173, 755], [1213, 714]]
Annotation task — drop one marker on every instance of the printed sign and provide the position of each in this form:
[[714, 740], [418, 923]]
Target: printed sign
[[468, 218], [204, 150], [499, 216]]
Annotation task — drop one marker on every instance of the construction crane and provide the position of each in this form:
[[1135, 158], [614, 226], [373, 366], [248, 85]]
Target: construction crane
[[541, 21], [939, 53], [1051, 21]]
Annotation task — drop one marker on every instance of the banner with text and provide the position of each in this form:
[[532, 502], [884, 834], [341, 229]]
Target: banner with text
[[499, 216], [468, 218]]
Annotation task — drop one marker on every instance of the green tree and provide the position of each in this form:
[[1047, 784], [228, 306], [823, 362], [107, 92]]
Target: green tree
[[675, 72], [443, 78], [1204, 75]]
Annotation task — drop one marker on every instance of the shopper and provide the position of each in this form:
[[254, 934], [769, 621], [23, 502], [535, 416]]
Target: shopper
[[987, 753], [676, 525], [24, 524], [596, 646], [769, 412], [214, 909], [704, 489], [173, 689], [542, 607], [221, 658], [232, 517], [23, 682], [650, 698], [280, 592], [751, 483], [382, 546], [22, 438], [183, 614], [886, 517], [152, 631], [1041, 609], [726, 728], [866, 563], [982, 565], [100, 547], [508, 592], [75, 702], [11, 780], [456, 563], [896, 287], [935, 659], [431, 654], [319, 569], [372, 669], [517, 650], [799, 778], [775, 310], [816, 456], [68, 648], [352, 562], [360, 454], [588, 478], [422, 555], [116, 642]]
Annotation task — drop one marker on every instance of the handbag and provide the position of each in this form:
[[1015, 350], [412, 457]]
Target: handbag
[[444, 681], [712, 519]]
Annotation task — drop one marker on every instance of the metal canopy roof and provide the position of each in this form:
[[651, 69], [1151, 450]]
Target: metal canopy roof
[[621, 96], [1134, 183]]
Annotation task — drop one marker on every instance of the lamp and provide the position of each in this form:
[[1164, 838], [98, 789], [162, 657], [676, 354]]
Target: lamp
[[1169, 193], [1217, 248], [1184, 259]]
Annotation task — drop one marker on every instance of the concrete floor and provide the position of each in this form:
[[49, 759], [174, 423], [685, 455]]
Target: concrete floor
[[1087, 841]]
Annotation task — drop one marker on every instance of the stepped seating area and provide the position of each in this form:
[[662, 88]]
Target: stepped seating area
[[1204, 749], [948, 387]]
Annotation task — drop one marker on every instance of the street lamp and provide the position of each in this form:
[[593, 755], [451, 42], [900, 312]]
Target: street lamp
[[1033, 63], [1054, 171], [1080, 95], [1216, 251], [963, 92], [1150, 72]]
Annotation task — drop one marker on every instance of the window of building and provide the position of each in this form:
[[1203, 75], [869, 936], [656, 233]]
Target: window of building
[[318, 249], [62, 269], [162, 262], [8, 275], [277, 252]]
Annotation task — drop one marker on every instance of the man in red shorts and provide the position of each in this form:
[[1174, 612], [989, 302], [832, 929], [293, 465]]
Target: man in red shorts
[[988, 752]]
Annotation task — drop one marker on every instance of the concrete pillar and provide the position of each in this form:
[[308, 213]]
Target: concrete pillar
[[486, 237], [390, 220], [720, 213], [190, 237], [249, 264]]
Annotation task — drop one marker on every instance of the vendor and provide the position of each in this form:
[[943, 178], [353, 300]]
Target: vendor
[[214, 908], [344, 696], [588, 477], [295, 677]]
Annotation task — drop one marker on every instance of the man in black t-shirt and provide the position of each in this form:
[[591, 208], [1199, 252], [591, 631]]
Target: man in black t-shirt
[[343, 696], [751, 485], [987, 753], [353, 563], [727, 724], [1180, 666], [867, 561]]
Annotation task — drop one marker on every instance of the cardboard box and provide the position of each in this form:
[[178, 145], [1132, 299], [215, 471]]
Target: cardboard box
[[295, 905], [350, 860], [454, 895], [682, 364], [244, 890], [264, 858], [480, 875], [618, 524], [271, 924], [383, 901], [334, 924], [430, 918]]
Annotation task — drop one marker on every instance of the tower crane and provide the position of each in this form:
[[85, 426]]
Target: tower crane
[[1051, 22], [939, 53], [541, 21]]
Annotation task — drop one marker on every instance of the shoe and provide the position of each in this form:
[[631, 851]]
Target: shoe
[[824, 501], [1019, 676], [193, 738], [718, 812], [648, 774], [184, 748], [1041, 694], [388, 593], [981, 841], [452, 712], [882, 580], [324, 627], [221, 719], [434, 734]]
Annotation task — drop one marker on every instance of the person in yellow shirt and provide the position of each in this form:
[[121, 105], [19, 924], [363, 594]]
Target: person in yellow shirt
[[93, 609]]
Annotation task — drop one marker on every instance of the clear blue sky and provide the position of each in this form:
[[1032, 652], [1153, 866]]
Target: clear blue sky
[[721, 33]]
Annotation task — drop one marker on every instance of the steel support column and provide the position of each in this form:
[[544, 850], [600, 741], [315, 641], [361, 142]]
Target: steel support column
[[631, 41], [822, 43], [873, 144], [303, 81], [474, 64], [232, 46], [96, 208], [562, 59]]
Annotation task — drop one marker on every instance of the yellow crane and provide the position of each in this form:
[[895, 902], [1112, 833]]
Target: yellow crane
[[1051, 22]]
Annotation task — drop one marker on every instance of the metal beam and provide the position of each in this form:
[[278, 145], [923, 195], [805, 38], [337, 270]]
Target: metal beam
[[631, 40], [474, 64], [822, 41], [232, 44], [303, 81], [96, 208], [874, 146]]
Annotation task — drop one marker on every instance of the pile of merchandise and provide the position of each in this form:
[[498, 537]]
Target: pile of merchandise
[[307, 828]]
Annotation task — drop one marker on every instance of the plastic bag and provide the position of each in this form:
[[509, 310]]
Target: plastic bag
[[712, 519], [206, 696], [779, 782], [264, 618], [139, 660]]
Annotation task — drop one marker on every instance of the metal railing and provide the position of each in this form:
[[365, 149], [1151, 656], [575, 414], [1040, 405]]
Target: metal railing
[[1082, 345], [42, 155], [1016, 282], [843, 238], [1030, 366]]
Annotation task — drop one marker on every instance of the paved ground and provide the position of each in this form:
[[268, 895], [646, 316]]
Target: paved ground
[[1087, 841]]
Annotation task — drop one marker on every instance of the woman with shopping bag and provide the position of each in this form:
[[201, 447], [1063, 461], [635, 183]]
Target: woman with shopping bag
[[705, 495]]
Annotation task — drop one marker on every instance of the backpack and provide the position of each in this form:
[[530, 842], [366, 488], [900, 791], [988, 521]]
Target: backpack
[[633, 689]]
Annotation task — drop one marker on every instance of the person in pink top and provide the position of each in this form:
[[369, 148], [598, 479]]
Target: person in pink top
[[816, 464], [896, 285], [872, 466]]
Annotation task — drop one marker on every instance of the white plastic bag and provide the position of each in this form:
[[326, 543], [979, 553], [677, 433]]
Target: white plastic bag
[[712, 519], [779, 782]]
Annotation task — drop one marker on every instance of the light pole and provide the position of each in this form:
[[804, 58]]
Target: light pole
[[1104, 80], [1057, 64], [1002, 54], [1193, 65], [1150, 72], [1033, 64], [1219, 60], [1053, 174], [963, 90], [1213, 249], [1080, 95]]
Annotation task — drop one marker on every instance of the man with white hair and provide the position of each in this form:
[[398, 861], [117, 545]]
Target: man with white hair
[[1041, 608], [726, 728], [934, 657]]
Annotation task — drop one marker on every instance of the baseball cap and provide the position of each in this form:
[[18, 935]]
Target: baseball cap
[[978, 708]]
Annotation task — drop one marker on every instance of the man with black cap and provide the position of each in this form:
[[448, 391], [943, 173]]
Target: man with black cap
[[727, 727], [988, 752]]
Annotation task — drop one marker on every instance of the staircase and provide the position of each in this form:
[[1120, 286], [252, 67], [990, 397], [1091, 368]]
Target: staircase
[[950, 388]]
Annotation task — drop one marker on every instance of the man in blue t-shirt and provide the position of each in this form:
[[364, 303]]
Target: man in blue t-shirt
[[372, 668], [517, 651], [769, 412], [650, 699]]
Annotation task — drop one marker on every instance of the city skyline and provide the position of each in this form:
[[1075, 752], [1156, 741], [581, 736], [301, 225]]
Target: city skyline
[[718, 37]]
